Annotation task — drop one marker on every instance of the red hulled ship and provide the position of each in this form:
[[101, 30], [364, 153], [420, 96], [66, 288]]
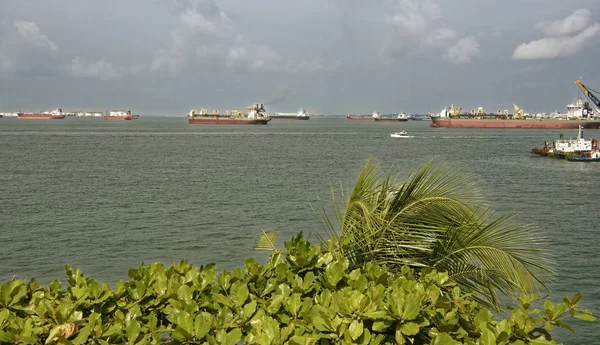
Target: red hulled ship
[[55, 114], [361, 117], [256, 116], [118, 115], [578, 114]]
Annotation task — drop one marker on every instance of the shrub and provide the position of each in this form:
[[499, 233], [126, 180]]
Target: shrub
[[303, 295]]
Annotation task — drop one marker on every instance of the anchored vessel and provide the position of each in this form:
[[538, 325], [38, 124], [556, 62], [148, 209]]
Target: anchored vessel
[[300, 115], [578, 114], [578, 149], [361, 117], [55, 114], [256, 116], [119, 115], [402, 117]]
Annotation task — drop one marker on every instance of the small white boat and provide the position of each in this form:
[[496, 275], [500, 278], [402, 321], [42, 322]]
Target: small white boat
[[401, 134]]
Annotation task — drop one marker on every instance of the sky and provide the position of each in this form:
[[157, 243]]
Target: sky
[[164, 57]]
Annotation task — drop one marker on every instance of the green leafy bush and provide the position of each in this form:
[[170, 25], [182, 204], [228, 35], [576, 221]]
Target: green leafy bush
[[303, 295]]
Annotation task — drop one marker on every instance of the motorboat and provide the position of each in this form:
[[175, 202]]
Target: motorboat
[[401, 134]]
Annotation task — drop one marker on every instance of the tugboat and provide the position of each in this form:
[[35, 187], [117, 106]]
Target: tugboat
[[56, 114], [578, 149], [256, 116]]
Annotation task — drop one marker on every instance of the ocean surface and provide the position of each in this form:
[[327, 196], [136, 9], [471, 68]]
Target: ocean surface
[[106, 196]]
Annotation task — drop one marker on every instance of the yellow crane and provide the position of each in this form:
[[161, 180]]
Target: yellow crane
[[518, 112], [588, 93]]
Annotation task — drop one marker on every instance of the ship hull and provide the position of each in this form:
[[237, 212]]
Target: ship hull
[[33, 116], [127, 117], [391, 120], [291, 117], [500, 123], [359, 117], [226, 121]]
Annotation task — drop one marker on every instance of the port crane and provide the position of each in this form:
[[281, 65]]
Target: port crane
[[518, 112], [588, 93]]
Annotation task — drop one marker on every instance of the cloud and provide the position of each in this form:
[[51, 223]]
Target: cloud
[[566, 37], [205, 35], [412, 16], [462, 51], [100, 69], [30, 33], [25, 49], [420, 29], [576, 22]]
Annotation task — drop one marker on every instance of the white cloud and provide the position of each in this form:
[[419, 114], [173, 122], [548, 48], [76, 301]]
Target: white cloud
[[30, 33], [23, 49], [204, 34], [100, 69], [462, 51], [420, 29], [565, 38], [441, 37], [571, 25], [413, 16]]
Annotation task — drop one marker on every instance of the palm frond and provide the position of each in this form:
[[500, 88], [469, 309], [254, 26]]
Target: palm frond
[[437, 218], [266, 240]]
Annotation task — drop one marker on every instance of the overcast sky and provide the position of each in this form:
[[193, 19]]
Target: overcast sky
[[328, 56]]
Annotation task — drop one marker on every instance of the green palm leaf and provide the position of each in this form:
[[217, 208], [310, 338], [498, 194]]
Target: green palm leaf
[[437, 218], [266, 240]]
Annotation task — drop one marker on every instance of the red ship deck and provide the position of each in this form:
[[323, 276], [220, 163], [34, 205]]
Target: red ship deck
[[218, 120], [500, 123]]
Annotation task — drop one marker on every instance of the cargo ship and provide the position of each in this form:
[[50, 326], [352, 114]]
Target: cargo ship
[[361, 117], [300, 115], [55, 114], [400, 118], [578, 114], [256, 116], [118, 115]]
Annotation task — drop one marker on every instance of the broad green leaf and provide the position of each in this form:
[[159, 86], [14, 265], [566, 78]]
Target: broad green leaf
[[356, 329], [483, 317], [202, 325], [233, 337], [410, 328], [585, 317], [334, 273], [241, 294], [133, 331], [412, 307], [487, 338], [444, 339], [83, 335]]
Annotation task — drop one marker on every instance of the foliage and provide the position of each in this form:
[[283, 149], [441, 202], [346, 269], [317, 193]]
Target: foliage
[[304, 295], [436, 218]]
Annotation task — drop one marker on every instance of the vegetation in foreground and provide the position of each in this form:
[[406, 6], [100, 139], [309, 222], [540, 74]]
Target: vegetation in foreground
[[437, 218], [408, 263], [304, 295]]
